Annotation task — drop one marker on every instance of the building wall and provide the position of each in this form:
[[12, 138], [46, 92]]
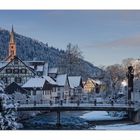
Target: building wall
[[89, 86], [17, 72]]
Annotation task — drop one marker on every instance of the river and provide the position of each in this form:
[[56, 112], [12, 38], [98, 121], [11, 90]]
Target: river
[[74, 121]]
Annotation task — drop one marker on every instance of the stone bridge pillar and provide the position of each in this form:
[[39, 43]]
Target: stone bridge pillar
[[58, 124], [134, 116]]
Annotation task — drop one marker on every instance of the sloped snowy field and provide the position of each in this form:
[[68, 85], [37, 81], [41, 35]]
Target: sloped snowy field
[[98, 115], [102, 115], [119, 127]]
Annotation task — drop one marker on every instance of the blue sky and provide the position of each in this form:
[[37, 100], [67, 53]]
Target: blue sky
[[104, 37]]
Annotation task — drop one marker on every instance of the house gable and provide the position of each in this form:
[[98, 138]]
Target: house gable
[[16, 71]]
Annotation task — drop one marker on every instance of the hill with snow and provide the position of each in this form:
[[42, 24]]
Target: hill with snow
[[31, 49]]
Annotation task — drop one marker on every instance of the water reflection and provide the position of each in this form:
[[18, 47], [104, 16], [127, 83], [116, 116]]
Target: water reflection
[[47, 121]]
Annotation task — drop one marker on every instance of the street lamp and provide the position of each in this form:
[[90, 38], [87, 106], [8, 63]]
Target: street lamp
[[42, 92], [34, 93], [130, 76], [78, 95]]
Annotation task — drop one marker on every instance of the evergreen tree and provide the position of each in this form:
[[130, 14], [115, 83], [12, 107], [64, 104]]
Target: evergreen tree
[[7, 111]]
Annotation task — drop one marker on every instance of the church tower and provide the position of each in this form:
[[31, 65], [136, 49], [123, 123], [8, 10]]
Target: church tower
[[12, 46]]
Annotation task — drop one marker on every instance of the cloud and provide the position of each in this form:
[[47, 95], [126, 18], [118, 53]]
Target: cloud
[[133, 41]]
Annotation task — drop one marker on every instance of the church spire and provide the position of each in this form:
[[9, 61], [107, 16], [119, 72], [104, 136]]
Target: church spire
[[12, 46], [12, 38]]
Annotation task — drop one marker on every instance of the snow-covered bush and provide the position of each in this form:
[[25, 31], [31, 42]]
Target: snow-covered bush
[[8, 113]]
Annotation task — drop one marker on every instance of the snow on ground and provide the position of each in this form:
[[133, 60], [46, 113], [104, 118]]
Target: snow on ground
[[103, 115], [118, 127], [98, 115]]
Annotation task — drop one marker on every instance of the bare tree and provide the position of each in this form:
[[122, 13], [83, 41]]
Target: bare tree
[[115, 74], [132, 62], [127, 62], [71, 60]]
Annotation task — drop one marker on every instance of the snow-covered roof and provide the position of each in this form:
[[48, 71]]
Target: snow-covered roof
[[34, 61], [98, 82], [31, 67], [61, 79], [39, 68], [50, 80], [74, 81], [36, 82], [53, 70]]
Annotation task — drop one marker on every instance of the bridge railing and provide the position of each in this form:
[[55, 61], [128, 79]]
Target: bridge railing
[[74, 105]]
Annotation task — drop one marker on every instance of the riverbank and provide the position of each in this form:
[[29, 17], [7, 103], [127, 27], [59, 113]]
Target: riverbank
[[77, 121], [47, 121]]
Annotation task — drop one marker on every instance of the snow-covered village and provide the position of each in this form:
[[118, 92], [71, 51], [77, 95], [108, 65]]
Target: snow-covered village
[[46, 87]]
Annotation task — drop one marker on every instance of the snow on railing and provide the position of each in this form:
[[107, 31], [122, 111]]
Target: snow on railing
[[74, 105]]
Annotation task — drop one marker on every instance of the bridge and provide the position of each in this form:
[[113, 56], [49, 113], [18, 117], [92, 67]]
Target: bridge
[[75, 107], [133, 110]]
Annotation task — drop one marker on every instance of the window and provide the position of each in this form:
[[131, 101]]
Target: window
[[18, 79], [39, 73], [79, 90], [4, 79], [15, 71], [54, 89], [23, 71], [58, 88], [8, 71]]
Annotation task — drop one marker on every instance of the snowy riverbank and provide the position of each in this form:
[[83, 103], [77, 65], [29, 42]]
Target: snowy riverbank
[[104, 116], [98, 115], [128, 126], [95, 120]]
